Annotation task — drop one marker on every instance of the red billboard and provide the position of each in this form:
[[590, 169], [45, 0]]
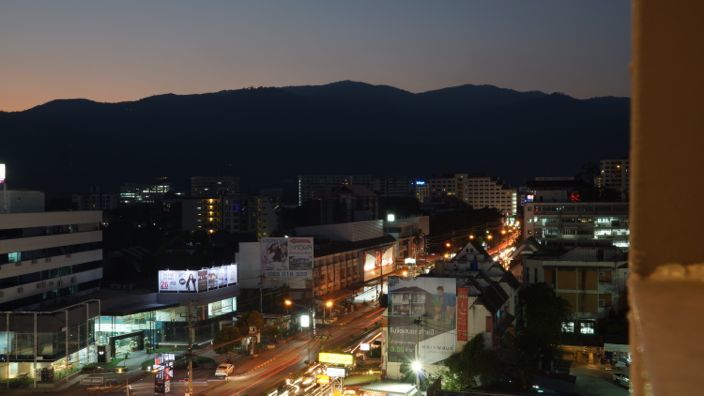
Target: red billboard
[[462, 313]]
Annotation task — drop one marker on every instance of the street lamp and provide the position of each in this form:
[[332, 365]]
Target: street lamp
[[288, 303]]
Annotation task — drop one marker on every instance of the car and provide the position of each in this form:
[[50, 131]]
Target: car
[[224, 369], [622, 379]]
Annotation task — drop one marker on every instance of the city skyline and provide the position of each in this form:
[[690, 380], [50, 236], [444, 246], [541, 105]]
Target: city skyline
[[117, 52]]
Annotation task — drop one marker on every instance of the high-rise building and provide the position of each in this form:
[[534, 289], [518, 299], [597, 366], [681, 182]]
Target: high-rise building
[[203, 186], [489, 192], [95, 201], [213, 214], [397, 186], [478, 191], [315, 186], [135, 193], [614, 175]]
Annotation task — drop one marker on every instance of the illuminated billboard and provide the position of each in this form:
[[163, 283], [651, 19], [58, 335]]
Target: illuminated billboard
[[2, 173], [378, 263], [341, 359], [194, 281], [422, 315], [274, 254], [287, 260]]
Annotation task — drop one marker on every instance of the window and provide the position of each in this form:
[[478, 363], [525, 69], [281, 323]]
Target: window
[[14, 257], [586, 328], [568, 327]]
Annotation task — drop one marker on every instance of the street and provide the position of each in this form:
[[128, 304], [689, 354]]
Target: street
[[263, 373], [592, 381]]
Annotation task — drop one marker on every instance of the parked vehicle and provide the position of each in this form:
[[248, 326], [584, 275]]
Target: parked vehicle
[[224, 369], [622, 379]]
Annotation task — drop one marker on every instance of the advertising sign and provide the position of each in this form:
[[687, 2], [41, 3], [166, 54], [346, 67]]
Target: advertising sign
[[274, 254], [300, 253], [287, 260], [422, 315], [340, 359], [335, 372], [462, 313], [192, 281], [178, 281], [378, 263], [2, 173]]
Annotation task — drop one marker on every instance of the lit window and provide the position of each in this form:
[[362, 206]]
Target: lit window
[[568, 327], [586, 328]]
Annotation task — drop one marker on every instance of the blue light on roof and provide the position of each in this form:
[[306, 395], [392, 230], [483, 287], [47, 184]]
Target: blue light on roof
[[420, 182]]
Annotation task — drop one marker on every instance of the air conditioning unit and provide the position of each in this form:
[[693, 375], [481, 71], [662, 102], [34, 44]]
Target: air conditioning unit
[[51, 283], [68, 254], [41, 285], [48, 259], [34, 261], [73, 279], [2, 293], [20, 290]]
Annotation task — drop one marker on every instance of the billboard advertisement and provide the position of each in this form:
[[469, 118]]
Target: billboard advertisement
[[193, 281], [274, 254], [378, 263], [462, 313], [422, 315], [287, 261], [300, 253], [178, 281]]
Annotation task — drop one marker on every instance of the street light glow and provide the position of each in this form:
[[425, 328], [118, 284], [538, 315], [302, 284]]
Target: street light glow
[[328, 303], [288, 302], [416, 366]]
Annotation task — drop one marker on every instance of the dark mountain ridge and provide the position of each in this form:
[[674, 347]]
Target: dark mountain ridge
[[268, 134]]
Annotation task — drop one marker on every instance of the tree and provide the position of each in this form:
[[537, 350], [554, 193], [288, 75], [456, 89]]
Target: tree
[[474, 366], [225, 341], [250, 319], [540, 328]]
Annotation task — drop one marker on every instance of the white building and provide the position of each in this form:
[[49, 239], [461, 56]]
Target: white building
[[489, 192], [47, 255], [478, 191], [547, 221], [48, 260]]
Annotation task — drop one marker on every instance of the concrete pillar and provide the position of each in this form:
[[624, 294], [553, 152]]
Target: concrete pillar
[[667, 161]]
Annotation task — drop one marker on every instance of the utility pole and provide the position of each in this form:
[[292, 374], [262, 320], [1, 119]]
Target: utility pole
[[261, 294], [416, 359], [190, 348]]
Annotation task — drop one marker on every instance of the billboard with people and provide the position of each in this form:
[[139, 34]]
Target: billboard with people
[[422, 319], [193, 281]]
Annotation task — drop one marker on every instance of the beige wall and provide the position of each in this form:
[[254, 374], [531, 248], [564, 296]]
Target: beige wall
[[667, 161]]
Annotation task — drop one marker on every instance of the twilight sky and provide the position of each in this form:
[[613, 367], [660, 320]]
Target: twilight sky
[[125, 50]]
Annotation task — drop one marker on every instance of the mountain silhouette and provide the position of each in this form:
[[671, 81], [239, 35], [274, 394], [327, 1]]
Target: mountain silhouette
[[265, 135]]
